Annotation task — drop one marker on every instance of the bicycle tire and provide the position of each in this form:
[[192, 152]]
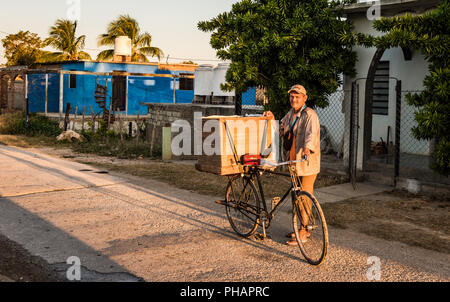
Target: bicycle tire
[[243, 214], [315, 249]]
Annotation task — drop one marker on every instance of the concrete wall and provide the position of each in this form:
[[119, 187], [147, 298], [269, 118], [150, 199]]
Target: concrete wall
[[12, 91], [19, 95]]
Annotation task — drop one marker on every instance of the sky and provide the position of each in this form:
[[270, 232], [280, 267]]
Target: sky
[[172, 23]]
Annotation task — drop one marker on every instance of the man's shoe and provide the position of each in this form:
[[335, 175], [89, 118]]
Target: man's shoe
[[292, 235]]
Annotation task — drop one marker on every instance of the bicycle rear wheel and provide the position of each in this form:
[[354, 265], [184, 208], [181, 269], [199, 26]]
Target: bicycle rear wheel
[[242, 206], [308, 215]]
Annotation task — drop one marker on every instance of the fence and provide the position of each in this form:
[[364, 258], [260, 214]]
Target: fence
[[408, 143], [335, 131], [415, 156], [332, 120]]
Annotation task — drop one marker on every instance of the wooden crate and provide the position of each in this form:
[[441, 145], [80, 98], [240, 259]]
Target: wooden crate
[[250, 135]]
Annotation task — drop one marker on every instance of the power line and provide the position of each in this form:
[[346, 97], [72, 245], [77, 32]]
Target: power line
[[169, 57]]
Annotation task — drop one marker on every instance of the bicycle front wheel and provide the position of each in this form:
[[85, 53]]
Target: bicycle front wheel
[[310, 224], [242, 206]]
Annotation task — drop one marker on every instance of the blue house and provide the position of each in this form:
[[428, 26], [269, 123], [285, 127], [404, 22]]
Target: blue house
[[124, 86]]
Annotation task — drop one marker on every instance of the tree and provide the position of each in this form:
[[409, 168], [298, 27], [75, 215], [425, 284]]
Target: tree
[[63, 38], [278, 43], [429, 34], [23, 48], [140, 42]]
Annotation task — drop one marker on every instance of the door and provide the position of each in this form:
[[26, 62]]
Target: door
[[119, 93]]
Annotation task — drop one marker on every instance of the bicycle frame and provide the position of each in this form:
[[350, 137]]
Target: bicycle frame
[[254, 173], [264, 201], [252, 204]]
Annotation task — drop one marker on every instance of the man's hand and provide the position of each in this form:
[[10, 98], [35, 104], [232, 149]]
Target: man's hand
[[269, 114], [306, 152]]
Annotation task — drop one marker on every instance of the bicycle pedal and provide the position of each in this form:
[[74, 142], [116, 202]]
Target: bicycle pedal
[[221, 202], [261, 237]]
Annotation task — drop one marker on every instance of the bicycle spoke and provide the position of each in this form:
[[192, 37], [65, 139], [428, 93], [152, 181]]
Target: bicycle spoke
[[242, 214], [315, 248]]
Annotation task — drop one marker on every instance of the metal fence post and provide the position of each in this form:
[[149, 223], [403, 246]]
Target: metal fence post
[[174, 89], [61, 94], [46, 94], [67, 118], [352, 150], [238, 104], [27, 106], [398, 117]]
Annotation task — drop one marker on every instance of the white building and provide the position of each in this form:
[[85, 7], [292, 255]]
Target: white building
[[406, 65], [207, 85]]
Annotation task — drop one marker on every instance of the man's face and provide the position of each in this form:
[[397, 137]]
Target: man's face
[[298, 100]]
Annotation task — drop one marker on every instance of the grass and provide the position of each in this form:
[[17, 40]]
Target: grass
[[417, 220], [14, 124], [42, 132]]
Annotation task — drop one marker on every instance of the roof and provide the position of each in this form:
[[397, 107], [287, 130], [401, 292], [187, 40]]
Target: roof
[[393, 7], [186, 67]]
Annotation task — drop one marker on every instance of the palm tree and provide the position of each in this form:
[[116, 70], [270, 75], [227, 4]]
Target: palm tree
[[63, 38], [140, 42]]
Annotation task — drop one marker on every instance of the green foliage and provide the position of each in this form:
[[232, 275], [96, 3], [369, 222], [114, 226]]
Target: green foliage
[[278, 43], [106, 142], [103, 142], [429, 34], [124, 25], [63, 38], [110, 144], [23, 48], [14, 124]]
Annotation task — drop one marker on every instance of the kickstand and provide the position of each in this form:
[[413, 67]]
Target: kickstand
[[264, 230]]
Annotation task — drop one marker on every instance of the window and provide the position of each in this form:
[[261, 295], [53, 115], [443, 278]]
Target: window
[[186, 83], [381, 89], [72, 81]]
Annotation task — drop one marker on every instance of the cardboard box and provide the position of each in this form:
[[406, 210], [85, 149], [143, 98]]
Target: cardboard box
[[232, 137]]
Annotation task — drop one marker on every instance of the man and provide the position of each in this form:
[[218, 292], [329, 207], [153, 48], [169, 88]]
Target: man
[[305, 125]]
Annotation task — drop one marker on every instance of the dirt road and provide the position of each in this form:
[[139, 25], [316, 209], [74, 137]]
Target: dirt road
[[124, 228]]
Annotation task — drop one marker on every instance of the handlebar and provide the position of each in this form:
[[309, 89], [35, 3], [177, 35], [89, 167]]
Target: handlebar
[[268, 163]]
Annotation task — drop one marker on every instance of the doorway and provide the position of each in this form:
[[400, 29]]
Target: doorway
[[119, 93]]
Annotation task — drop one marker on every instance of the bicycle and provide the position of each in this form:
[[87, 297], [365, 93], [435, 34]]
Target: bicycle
[[247, 209]]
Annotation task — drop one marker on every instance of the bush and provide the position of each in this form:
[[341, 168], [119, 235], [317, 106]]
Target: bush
[[103, 142], [14, 124], [112, 145]]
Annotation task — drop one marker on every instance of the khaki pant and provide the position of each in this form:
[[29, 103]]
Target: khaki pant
[[308, 183], [308, 186]]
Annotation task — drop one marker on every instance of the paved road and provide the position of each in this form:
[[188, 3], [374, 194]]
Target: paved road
[[126, 229]]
